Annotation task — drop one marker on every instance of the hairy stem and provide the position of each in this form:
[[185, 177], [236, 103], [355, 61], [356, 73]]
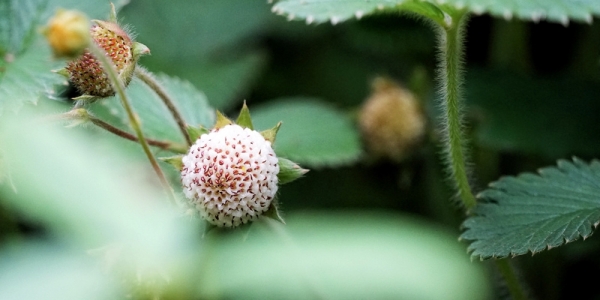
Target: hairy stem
[[451, 76], [133, 120], [451, 46], [510, 277], [151, 82]]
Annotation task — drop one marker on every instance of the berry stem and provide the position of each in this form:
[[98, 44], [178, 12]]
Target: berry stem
[[117, 84], [450, 74], [151, 82]]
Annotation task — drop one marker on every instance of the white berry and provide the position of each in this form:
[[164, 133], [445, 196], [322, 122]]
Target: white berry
[[230, 175]]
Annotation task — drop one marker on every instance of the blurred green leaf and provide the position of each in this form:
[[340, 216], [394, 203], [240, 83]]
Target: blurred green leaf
[[223, 81], [97, 9], [156, 120], [209, 43], [39, 271], [550, 10], [88, 195], [535, 212], [313, 133], [18, 21], [182, 30], [26, 77], [554, 117], [345, 256]]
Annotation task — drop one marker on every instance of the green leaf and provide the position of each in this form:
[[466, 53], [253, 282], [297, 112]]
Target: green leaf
[[534, 212], [97, 9], [26, 77], [18, 22], [336, 11], [313, 133], [156, 120], [343, 256], [550, 10], [548, 116]]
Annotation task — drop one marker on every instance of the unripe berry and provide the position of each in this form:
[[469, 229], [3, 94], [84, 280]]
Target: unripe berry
[[68, 33], [230, 175], [86, 73], [391, 120]]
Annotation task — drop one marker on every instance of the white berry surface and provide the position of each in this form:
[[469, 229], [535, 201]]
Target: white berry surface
[[230, 175]]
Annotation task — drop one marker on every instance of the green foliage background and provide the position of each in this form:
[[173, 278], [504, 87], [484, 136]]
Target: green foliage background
[[532, 91]]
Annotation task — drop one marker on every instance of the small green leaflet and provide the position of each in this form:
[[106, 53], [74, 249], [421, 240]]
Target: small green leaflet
[[535, 212]]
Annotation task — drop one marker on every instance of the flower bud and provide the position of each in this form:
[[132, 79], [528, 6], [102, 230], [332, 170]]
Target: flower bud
[[68, 33], [230, 175], [391, 121]]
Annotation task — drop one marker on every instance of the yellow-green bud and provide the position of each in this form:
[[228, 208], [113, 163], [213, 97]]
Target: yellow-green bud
[[391, 120], [68, 33]]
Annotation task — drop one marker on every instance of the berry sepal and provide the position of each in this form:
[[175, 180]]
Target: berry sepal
[[194, 132]]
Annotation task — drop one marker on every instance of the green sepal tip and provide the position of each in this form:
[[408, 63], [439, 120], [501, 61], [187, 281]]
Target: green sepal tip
[[139, 49], [289, 171], [62, 72], [208, 228], [175, 161], [85, 98], [273, 212], [195, 132], [271, 134], [244, 118], [222, 121], [113, 13]]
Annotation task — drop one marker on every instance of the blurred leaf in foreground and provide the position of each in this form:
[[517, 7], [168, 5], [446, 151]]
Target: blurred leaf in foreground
[[87, 199], [346, 256]]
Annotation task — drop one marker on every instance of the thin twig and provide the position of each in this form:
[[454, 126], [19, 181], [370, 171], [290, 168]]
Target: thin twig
[[151, 82], [128, 136]]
